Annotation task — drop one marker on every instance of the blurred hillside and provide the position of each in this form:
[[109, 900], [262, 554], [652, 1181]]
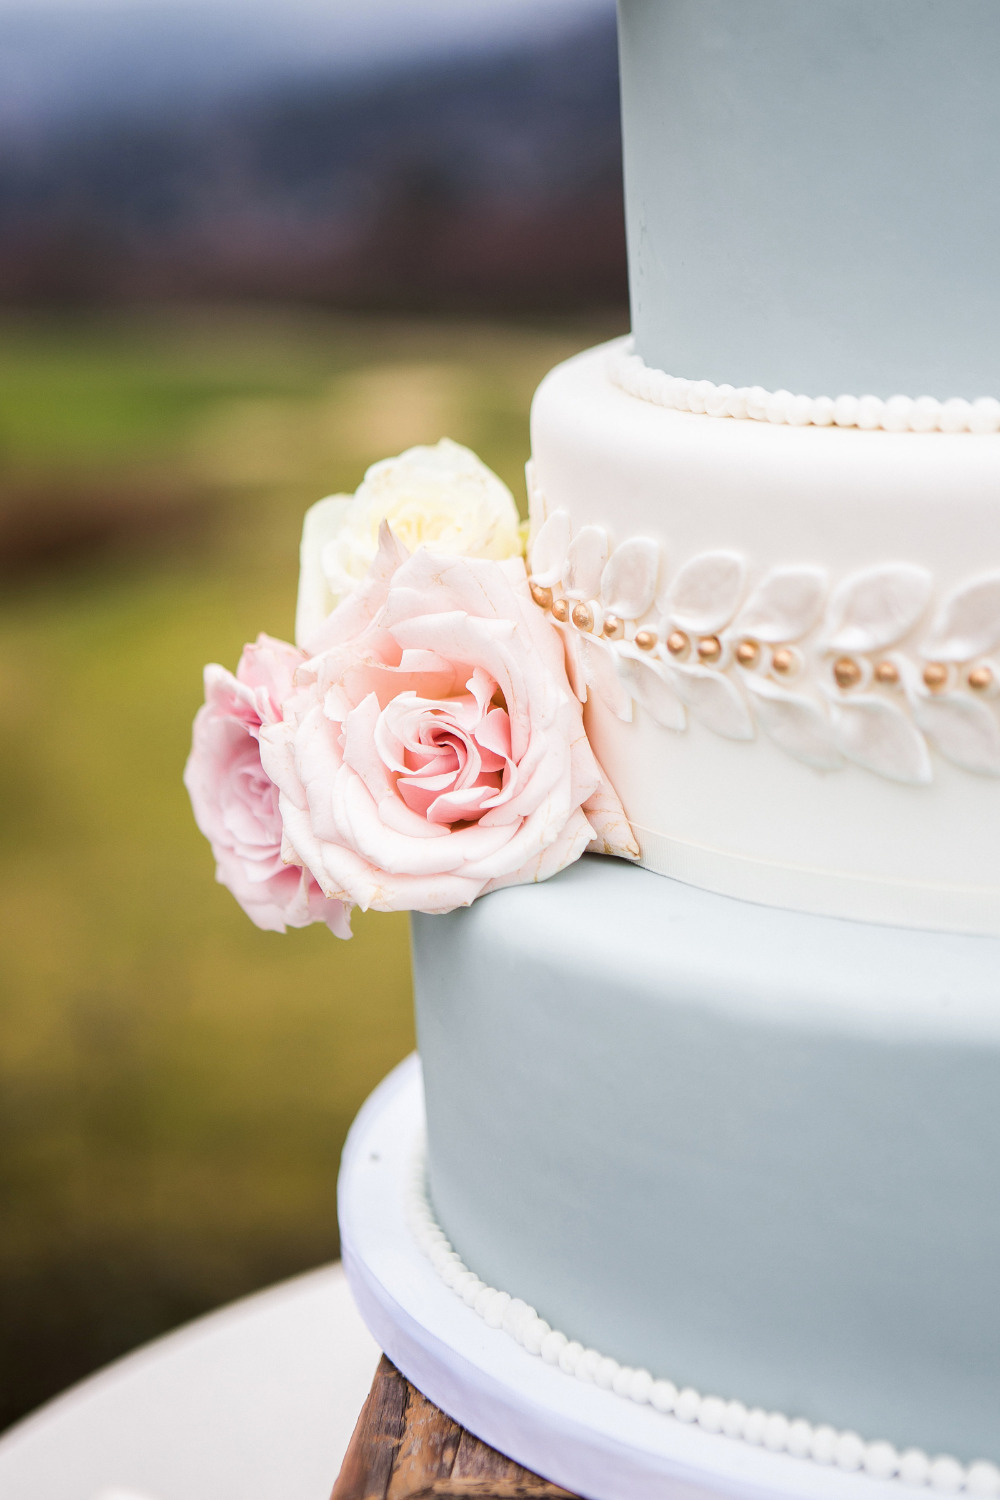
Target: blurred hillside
[[247, 247], [483, 180], [175, 1086]]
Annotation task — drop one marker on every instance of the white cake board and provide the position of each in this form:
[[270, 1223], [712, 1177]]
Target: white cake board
[[591, 1441]]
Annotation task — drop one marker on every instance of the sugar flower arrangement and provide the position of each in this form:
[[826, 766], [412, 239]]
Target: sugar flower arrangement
[[420, 744]]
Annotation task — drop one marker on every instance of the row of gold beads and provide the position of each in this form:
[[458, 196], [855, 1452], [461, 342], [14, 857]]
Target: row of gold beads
[[708, 648], [848, 673], [784, 661], [581, 614]]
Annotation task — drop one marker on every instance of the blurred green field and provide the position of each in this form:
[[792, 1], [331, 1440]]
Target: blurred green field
[[175, 1086]]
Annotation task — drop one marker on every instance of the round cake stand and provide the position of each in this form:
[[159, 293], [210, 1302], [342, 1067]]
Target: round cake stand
[[591, 1441]]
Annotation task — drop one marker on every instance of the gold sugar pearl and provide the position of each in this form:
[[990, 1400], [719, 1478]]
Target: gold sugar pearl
[[935, 676], [709, 648], [979, 679], [613, 627], [645, 639], [748, 653], [846, 672], [541, 595], [677, 643], [560, 610], [887, 673], [783, 661], [583, 616]]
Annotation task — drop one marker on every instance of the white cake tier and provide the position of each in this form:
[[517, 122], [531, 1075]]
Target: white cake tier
[[790, 642]]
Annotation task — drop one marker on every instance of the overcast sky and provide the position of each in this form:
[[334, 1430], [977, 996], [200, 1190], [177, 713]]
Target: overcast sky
[[58, 57], [360, 26]]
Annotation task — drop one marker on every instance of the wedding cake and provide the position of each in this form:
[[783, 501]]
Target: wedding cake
[[712, 1127], [752, 1151]]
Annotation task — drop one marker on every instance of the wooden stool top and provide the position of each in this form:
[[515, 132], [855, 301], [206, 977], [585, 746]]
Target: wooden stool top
[[405, 1448]]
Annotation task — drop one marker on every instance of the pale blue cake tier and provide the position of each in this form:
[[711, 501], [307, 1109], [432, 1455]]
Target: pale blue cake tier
[[813, 192], [754, 1151]]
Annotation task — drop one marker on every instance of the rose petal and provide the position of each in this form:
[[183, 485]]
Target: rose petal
[[435, 747], [235, 802]]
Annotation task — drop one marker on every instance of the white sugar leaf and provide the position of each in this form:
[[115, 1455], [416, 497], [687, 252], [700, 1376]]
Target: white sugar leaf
[[963, 729], [785, 604], [628, 583], [877, 735], [705, 594], [797, 724], [536, 500], [714, 700], [877, 606], [572, 643], [646, 681], [588, 552], [547, 553], [598, 663], [968, 622]]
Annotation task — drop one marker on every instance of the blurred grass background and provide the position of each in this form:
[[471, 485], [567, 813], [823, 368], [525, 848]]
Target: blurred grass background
[[175, 1086]]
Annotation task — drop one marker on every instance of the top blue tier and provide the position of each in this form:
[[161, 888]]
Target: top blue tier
[[813, 192]]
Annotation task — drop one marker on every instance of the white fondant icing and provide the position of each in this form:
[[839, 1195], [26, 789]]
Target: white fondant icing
[[786, 603], [968, 621], [795, 723], [714, 700], [628, 583], [808, 888], [706, 592], [585, 558], [839, 598], [781, 408], [550, 547], [876, 607], [772, 1430]]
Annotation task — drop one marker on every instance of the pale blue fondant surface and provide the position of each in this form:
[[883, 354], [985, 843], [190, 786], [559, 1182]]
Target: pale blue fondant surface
[[813, 192], [751, 1150]]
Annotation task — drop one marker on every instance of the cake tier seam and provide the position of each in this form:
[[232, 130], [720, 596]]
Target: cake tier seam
[[629, 371]]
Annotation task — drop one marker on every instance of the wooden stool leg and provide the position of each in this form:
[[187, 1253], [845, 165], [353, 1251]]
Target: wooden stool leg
[[371, 1453], [405, 1448]]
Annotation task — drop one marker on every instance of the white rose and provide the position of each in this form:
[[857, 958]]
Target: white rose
[[442, 497]]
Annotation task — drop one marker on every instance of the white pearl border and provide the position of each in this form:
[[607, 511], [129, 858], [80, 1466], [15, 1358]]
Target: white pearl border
[[771, 1430], [898, 414]]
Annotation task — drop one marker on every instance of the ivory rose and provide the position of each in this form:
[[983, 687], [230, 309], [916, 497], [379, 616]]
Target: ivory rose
[[236, 804], [433, 749], [442, 497]]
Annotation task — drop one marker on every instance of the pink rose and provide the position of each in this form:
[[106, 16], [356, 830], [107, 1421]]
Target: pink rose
[[235, 802], [433, 749]]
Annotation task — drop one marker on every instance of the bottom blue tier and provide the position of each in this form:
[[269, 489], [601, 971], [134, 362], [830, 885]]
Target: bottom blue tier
[[753, 1151]]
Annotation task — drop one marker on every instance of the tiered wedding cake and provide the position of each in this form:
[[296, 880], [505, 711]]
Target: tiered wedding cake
[[711, 1193], [745, 1153]]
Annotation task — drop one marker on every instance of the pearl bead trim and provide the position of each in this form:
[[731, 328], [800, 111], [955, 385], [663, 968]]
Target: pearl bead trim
[[898, 414], [772, 1430]]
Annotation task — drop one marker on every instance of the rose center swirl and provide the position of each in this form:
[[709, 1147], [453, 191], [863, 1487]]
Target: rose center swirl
[[450, 756]]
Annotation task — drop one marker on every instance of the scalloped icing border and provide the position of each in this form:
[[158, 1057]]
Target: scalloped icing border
[[631, 374], [727, 1419]]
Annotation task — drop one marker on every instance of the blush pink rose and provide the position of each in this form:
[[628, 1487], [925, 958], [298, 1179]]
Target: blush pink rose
[[433, 749], [236, 803]]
